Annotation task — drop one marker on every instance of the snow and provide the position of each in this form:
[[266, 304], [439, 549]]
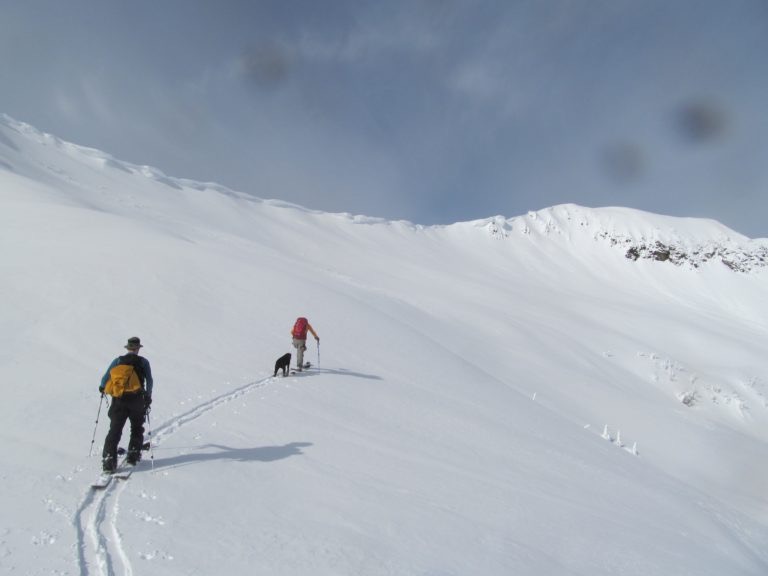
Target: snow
[[504, 396]]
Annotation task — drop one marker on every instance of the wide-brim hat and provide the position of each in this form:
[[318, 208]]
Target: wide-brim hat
[[134, 343]]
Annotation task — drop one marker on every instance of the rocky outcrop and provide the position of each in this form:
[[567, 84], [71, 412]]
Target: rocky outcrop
[[737, 258]]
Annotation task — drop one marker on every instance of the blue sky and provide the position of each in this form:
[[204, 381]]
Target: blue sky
[[434, 111]]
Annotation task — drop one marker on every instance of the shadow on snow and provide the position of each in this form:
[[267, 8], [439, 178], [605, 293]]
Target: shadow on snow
[[260, 454], [336, 372]]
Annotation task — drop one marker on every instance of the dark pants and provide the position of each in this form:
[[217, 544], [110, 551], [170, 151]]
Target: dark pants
[[128, 407]]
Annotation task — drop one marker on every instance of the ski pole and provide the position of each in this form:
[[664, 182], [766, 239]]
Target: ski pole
[[90, 452], [318, 353], [151, 451]]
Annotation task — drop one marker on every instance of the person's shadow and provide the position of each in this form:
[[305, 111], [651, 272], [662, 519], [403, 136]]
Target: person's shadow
[[339, 372], [259, 454]]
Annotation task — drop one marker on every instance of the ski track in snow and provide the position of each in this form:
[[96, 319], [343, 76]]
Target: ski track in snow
[[100, 547]]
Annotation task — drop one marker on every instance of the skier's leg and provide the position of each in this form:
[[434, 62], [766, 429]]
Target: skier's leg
[[136, 416], [118, 414], [300, 346]]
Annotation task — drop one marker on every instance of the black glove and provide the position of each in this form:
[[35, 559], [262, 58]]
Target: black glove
[[101, 390], [147, 402]]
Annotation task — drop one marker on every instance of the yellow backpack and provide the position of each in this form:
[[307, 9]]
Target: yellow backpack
[[122, 380]]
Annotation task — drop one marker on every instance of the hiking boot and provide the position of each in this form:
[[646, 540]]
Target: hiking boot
[[133, 459], [108, 467]]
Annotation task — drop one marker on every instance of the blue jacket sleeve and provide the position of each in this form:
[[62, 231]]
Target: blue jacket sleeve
[[148, 376], [105, 378]]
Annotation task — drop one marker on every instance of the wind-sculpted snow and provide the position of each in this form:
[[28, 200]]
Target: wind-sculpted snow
[[697, 243]]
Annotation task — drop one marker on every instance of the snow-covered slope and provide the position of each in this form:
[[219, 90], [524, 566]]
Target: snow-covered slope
[[493, 397]]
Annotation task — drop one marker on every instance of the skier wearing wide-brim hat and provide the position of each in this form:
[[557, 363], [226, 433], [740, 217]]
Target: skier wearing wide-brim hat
[[129, 381]]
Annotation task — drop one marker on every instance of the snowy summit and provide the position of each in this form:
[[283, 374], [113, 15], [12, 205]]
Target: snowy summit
[[572, 391]]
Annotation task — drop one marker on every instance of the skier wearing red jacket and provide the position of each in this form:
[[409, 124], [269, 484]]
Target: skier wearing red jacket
[[299, 335]]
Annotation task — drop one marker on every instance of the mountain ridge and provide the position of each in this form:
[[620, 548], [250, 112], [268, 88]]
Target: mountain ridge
[[680, 240], [688, 242]]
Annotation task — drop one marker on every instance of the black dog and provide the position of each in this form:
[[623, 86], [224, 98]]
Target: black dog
[[283, 363]]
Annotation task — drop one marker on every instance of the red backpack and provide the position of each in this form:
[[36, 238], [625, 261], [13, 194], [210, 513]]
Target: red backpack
[[300, 329]]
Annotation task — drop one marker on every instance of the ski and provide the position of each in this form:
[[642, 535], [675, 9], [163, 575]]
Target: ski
[[102, 481], [121, 451], [126, 472], [122, 472], [106, 477], [306, 366]]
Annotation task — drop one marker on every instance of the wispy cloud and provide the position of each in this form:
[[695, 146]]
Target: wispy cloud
[[431, 110]]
